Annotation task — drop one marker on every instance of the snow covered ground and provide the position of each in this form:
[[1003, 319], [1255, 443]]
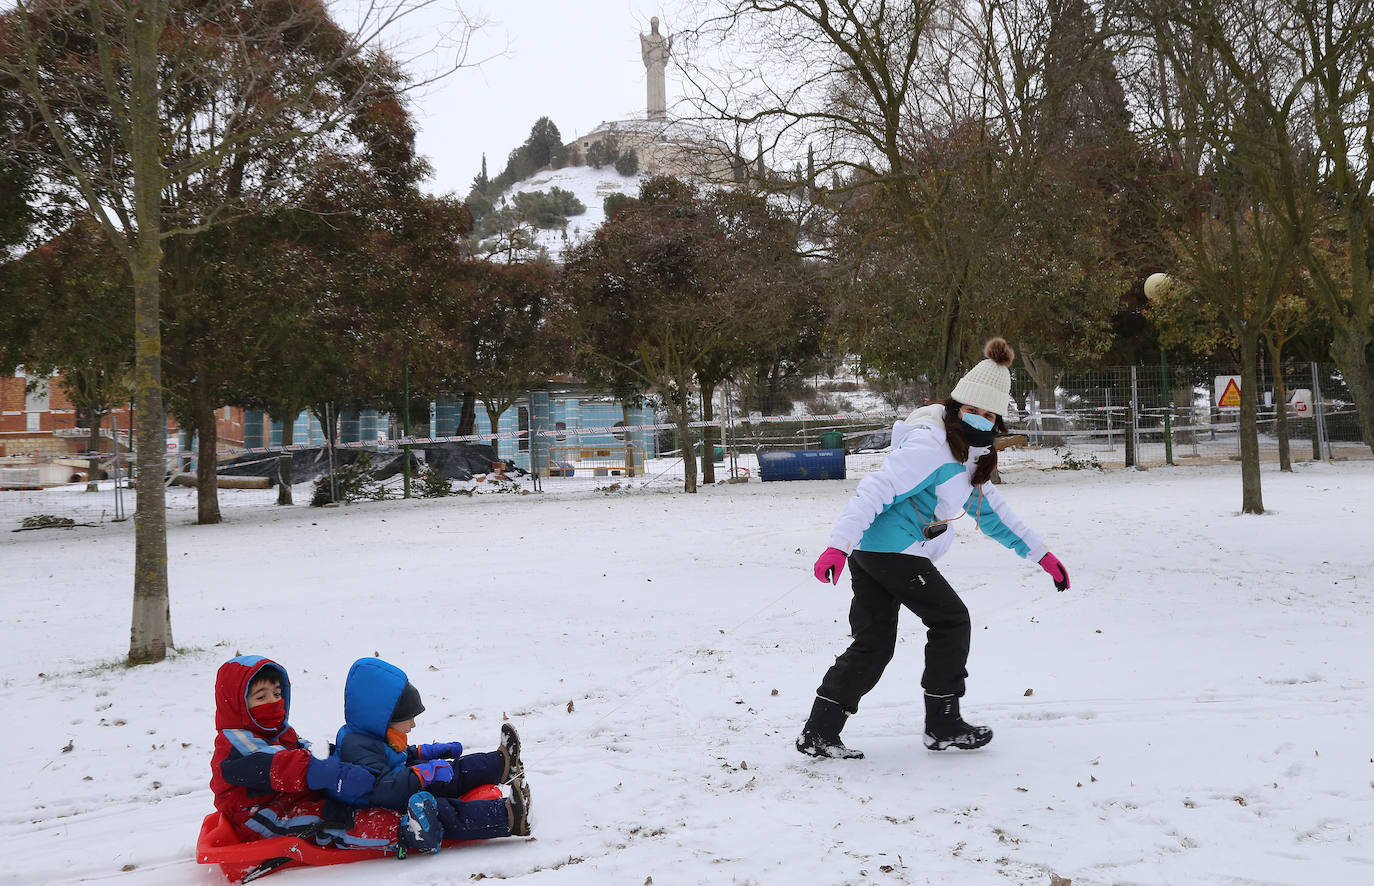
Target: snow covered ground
[[590, 185], [1197, 709]]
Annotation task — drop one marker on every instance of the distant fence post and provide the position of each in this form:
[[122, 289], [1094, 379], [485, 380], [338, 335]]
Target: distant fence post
[[1319, 415], [1136, 460], [1168, 408], [118, 491], [541, 419]]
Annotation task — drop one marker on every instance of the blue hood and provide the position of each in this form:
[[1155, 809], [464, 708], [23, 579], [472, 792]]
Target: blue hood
[[370, 695]]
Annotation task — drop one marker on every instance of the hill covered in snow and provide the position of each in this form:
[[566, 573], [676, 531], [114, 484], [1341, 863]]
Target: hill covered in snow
[[590, 185]]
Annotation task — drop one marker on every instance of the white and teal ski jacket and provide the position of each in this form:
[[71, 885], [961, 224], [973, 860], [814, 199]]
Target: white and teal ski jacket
[[920, 482]]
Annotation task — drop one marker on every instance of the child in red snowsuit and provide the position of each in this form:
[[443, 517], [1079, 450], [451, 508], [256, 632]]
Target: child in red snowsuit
[[268, 784]]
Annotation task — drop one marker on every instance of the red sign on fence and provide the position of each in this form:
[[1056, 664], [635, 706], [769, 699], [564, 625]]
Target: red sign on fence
[[1228, 391]]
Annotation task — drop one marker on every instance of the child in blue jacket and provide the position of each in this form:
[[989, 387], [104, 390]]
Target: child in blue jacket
[[380, 707]]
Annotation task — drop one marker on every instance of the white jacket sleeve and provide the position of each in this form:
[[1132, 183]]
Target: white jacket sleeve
[[1000, 523], [904, 472]]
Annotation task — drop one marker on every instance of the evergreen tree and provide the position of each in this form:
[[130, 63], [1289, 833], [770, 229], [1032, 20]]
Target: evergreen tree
[[72, 313], [545, 145], [616, 202], [16, 207], [481, 183], [603, 151], [627, 163]]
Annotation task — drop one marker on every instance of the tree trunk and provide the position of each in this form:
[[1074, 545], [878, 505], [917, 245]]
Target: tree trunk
[[1348, 350], [284, 461], [94, 418], [682, 417], [493, 417], [467, 417], [150, 629], [1184, 414], [207, 456], [951, 343], [1252, 502], [1281, 409], [708, 437], [768, 388], [1046, 377]]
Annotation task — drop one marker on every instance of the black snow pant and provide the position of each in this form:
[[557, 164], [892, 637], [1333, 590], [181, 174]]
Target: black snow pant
[[883, 583]]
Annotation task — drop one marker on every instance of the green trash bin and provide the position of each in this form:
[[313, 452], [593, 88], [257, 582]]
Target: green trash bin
[[832, 440]]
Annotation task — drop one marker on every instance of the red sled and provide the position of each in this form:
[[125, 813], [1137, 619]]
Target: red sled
[[244, 862]]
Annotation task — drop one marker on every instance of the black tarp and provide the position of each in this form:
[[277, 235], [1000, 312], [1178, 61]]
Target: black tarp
[[871, 442], [455, 461]]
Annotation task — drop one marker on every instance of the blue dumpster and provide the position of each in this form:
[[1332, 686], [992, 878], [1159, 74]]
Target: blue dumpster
[[801, 464]]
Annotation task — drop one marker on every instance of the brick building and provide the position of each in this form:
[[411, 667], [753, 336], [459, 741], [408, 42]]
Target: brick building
[[43, 422]]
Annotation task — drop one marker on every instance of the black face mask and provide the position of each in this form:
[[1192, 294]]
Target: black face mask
[[974, 437]]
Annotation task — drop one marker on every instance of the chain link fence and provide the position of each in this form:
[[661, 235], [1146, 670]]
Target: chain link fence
[[1133, 416], [1141, 416]]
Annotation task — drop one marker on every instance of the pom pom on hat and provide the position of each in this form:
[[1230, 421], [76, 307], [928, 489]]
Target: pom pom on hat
[[998, 351], [988, 385]]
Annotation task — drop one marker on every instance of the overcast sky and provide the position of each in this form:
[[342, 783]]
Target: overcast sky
[[576, 63]]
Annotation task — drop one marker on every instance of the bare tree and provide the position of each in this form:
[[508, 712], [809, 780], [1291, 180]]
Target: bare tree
[[942, 129], [1292, 315], [1235, 245], [1304, 72], [141, 110]]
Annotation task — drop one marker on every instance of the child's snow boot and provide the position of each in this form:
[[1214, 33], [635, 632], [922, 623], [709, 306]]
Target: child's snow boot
[[421, 830], [510, 754], [518, 806], [820, 736], [946, 728]]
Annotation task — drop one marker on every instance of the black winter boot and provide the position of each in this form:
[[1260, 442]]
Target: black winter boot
[[820, 736], [945, 728], [518, 807], [509, 749]]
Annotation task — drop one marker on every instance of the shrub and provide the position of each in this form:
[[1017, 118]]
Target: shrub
[[617, 201], [354, 483], [495, 483], [548, 209], [433, 483], [47, 521], [627, 163], [603, 151], [1070, 462]]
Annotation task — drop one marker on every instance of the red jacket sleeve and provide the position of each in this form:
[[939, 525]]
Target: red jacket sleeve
[[288, 770]]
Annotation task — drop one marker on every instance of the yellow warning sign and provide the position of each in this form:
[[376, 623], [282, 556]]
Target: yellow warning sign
[[1230, 395]]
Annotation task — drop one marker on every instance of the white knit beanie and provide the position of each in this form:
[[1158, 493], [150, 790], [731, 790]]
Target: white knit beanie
[[988, 385]]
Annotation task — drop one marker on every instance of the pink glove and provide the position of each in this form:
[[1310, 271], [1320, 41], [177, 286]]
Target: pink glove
[[1050, 563], [829, 565]]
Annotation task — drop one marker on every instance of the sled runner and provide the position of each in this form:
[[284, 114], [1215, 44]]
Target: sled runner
[[244, 862]]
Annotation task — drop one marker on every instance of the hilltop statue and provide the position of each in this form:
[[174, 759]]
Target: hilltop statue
[[655, 49]]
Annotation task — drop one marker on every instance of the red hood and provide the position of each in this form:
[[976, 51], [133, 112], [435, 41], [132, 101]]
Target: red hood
[[231, 695]]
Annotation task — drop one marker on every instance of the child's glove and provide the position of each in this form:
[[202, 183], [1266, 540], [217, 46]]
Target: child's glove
[[339, 778], [829, 565], [435, 770], [1050, 563], [451, 749]]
